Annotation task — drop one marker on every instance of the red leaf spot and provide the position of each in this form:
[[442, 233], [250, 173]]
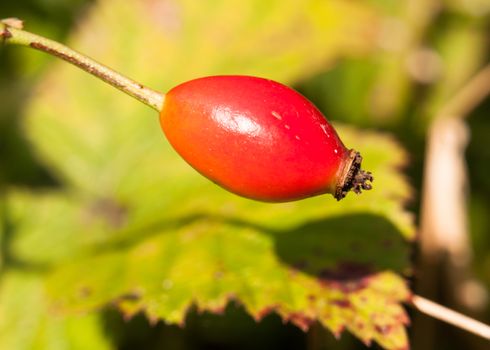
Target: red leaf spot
[[347, 271], [385, 329], [342, 303], [302, 321], [311, 297]]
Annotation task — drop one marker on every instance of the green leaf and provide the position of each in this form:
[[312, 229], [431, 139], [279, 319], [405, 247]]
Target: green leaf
[[25, 322], [311, 259], [307, 273], [137, 226]]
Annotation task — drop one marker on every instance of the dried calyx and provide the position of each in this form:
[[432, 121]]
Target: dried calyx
[[354, 178]]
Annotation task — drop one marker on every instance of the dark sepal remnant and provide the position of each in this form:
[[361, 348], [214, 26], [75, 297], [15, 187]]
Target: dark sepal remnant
[[354, 178]]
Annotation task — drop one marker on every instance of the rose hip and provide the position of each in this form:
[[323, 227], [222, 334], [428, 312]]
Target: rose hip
[[259, 139]]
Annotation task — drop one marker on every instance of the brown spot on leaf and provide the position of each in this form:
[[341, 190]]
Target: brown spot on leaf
[[343, 303], [114, 213], [84, 292], [347, 277], [402, 318], [354, 286], [384, 330], [346, 271], [218, 275], [311, 297]]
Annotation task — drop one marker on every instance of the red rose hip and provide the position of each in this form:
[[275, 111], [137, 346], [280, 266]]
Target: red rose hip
[[259, 139], [254, 137]]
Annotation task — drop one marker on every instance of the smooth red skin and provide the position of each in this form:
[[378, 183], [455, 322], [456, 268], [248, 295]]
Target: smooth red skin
[[254, 137]]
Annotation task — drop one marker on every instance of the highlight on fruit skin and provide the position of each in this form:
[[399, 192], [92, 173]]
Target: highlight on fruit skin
[[259, 139]]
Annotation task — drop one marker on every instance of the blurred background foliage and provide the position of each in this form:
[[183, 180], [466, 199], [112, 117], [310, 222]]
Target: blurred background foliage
[[415, 57]]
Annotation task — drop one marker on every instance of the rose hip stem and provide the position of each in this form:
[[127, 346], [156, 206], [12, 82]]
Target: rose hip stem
[[11, 33]]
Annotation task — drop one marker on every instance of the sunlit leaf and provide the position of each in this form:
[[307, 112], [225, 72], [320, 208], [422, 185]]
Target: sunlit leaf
[[307, 260], [25, 323]]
